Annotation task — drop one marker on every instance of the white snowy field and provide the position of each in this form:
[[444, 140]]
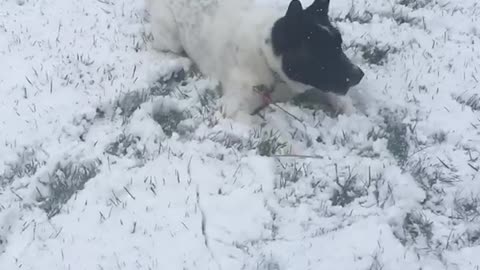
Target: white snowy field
[[114, 156]]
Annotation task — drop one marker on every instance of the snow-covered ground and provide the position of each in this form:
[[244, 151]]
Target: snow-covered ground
[[113, 156]]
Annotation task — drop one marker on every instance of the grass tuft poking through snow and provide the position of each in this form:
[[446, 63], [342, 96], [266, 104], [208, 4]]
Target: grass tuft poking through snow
[[122, 145], [168, 119], [269, 143], [415, 4], [472, 101], [417, 228], [376, 54], [130, 102], [348, 188], [397, 137], [26, 165], [65, 181]]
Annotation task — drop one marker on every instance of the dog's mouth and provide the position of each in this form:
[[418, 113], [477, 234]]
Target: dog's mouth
[[353, 79], [342, 91], [339, 89]]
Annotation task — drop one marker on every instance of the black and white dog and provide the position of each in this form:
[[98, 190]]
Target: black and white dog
[[249, 46]]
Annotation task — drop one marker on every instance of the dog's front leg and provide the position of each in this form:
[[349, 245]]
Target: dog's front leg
[[242, 94], [240, 103]]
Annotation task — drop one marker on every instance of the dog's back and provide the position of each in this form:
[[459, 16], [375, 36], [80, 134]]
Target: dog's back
[[216, 34]]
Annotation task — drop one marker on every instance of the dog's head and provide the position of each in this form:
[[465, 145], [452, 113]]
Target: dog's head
[[311, 49]]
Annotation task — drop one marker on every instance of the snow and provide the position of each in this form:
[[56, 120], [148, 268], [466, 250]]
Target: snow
[[114, 156]]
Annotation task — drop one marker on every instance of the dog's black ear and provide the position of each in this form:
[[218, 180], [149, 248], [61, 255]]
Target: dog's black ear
[[286, 32], [319, 8], [294, 11]]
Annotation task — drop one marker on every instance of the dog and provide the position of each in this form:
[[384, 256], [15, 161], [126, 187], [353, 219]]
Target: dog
[[258, 54]]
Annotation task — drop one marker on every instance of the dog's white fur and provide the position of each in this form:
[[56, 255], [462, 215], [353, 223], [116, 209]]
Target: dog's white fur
[[228, 40]]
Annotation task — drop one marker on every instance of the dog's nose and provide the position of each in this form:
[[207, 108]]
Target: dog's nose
[[355, 76]]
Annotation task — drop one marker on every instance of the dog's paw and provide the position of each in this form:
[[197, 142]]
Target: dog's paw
[[232, 109], [238, 116], [229, 106]]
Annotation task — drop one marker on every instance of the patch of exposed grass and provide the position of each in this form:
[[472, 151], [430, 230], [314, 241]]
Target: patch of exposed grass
[[376, 54], [3, 244], [228, 140], [429, 174], [375, 184], [354, 15], [168, 118], [130, 102], [169, 84], [472, 101], [208, 105], [343, 139], [267, 264], [415, 4], [208, 101], [473, 237], [158, 89], [469, 238], [401, 17], [266, 143], [64, 181], [467, 209], [348, 188], [397, 142], [396, 133], [269, 144], [376, 262], [417, 226], [292, 173], [121, 145], [439, 137], [26, 165]]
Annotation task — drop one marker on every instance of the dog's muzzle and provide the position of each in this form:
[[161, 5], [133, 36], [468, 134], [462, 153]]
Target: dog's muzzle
[[355, 76]]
